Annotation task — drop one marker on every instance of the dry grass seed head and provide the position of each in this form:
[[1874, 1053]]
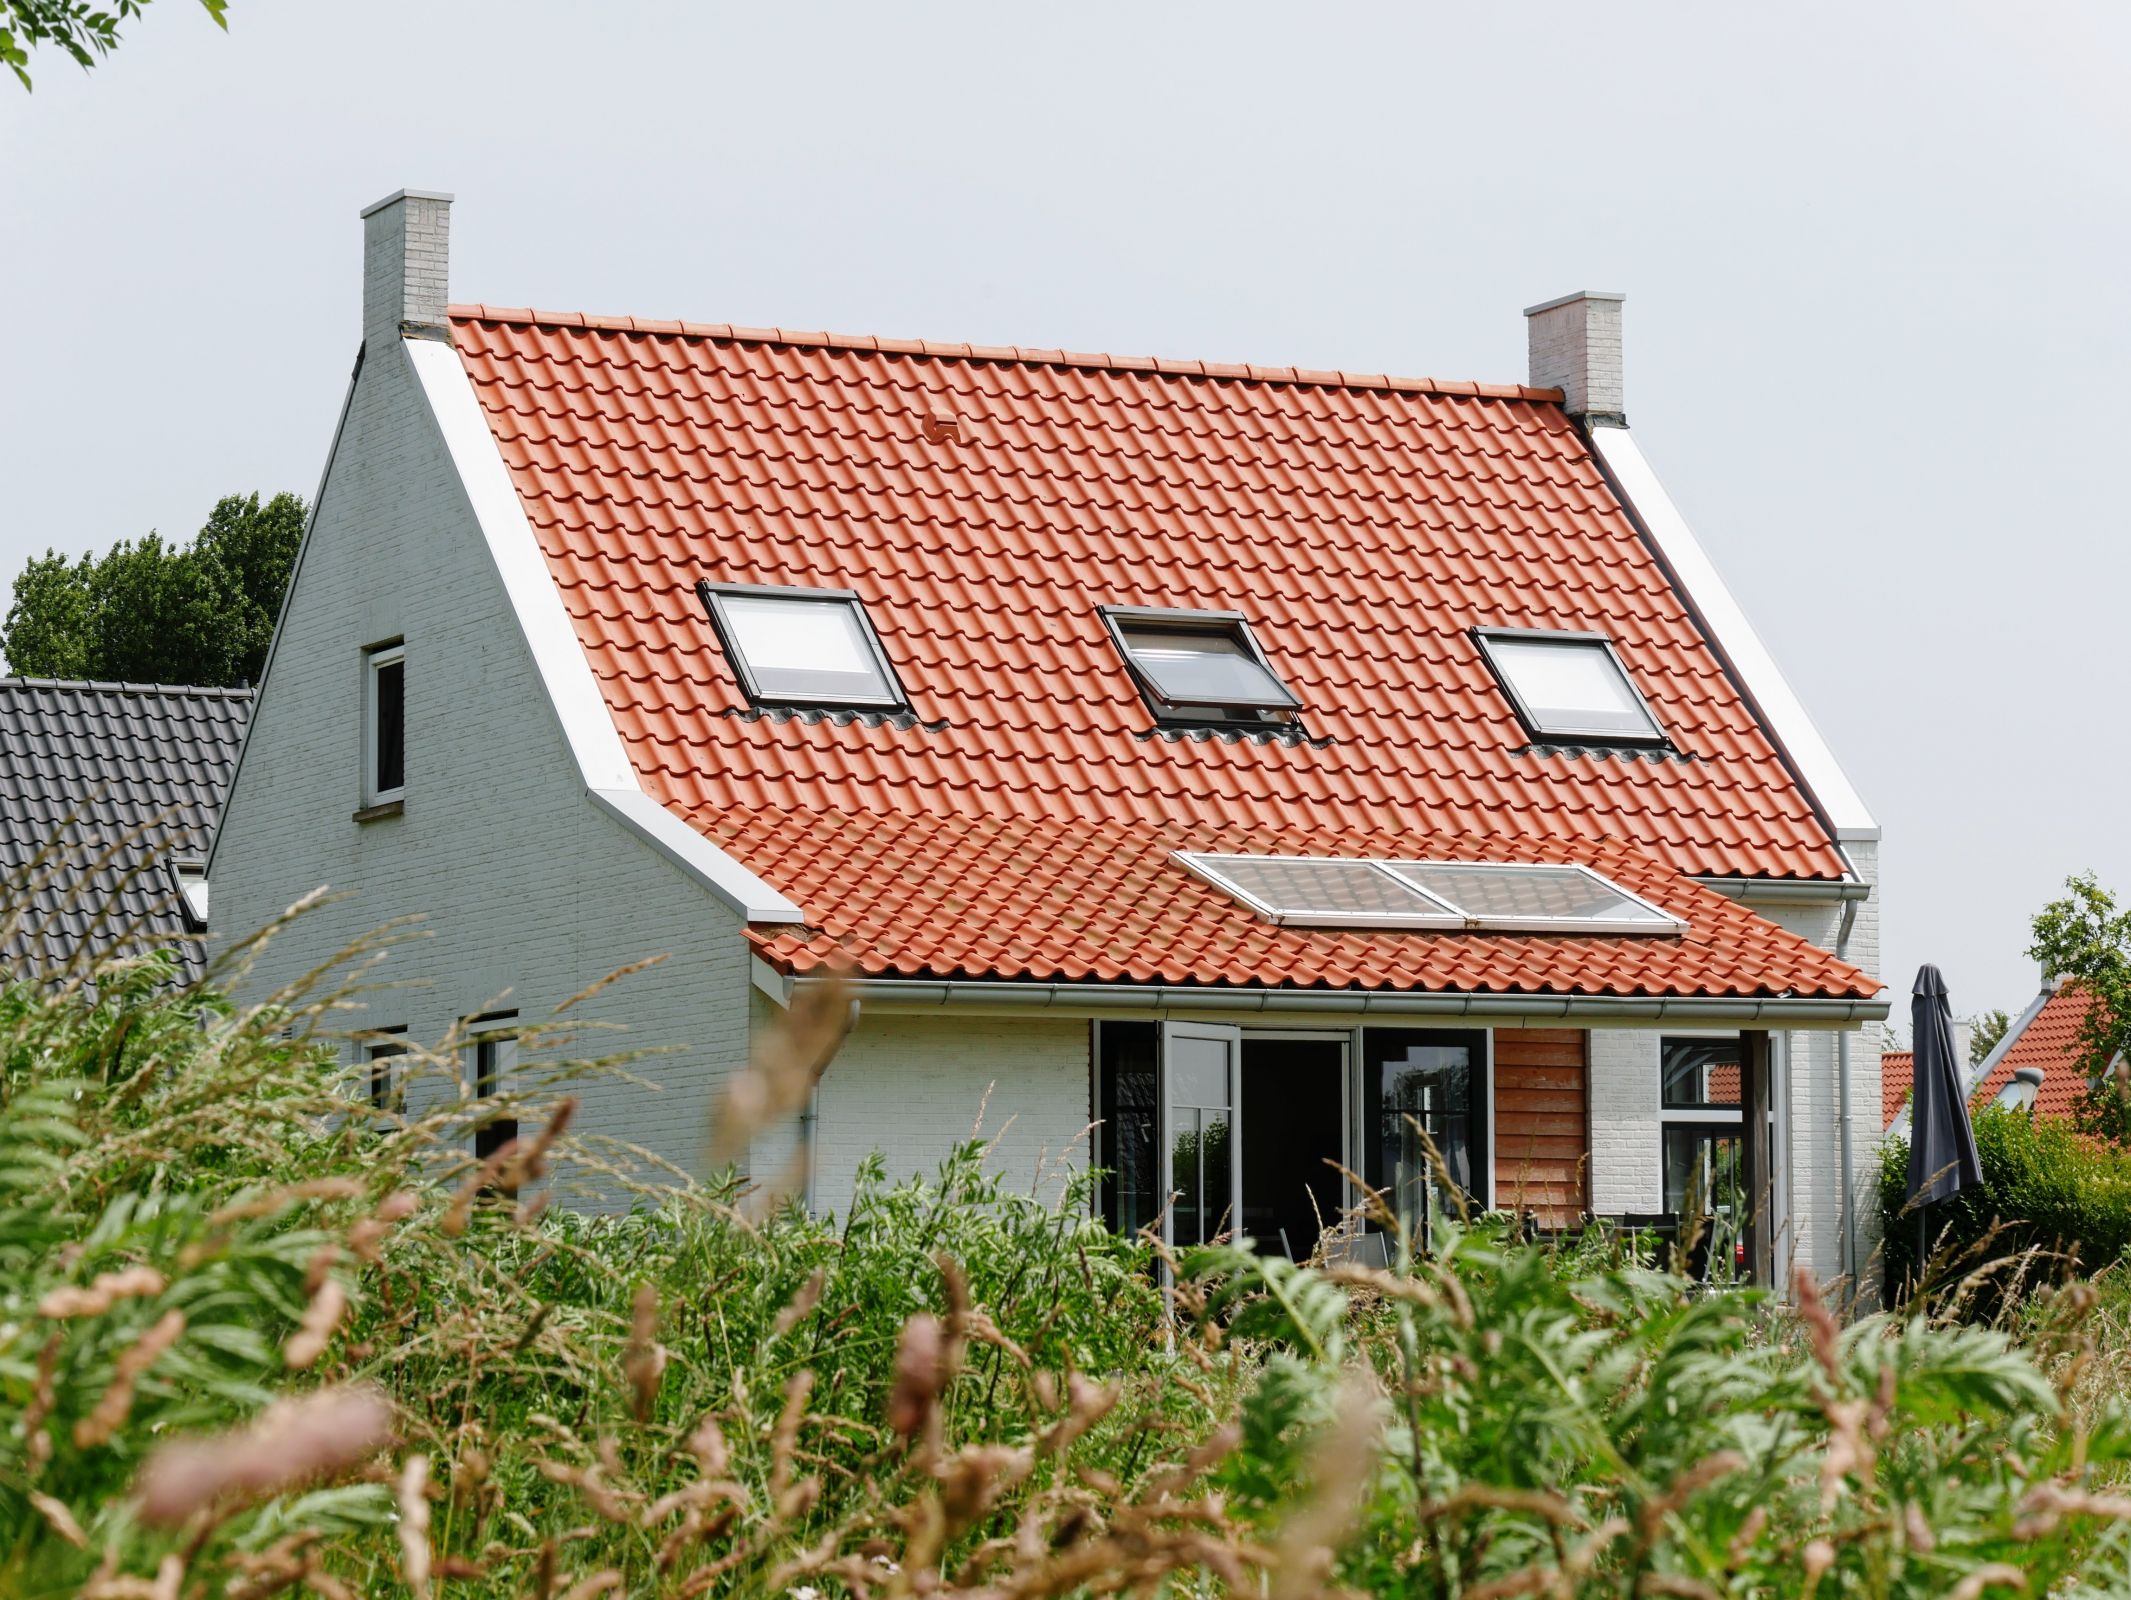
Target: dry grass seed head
[[643, 1357], [293, 1441], [412, 1496], [106, 1290], [117, 1401]]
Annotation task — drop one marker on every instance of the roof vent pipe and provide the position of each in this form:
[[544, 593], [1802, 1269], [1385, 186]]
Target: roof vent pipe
[[406, 267], [1575, 347]]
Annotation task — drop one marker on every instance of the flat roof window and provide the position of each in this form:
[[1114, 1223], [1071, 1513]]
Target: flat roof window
[[1570, 686], [1543, 898], [1199, 666], [801, 646], [1446, 896]]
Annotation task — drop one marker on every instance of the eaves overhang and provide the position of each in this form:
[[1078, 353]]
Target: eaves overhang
[[1088, 999]]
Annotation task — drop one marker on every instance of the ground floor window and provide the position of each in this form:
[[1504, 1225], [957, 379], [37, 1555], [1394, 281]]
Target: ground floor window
[[388, 1091], [495, 1057], [1432, 1081]]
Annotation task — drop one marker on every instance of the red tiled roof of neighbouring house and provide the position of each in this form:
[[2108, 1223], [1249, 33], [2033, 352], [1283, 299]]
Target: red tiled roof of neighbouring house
[[1897, 1076], [2051, 1043], [985, 502]]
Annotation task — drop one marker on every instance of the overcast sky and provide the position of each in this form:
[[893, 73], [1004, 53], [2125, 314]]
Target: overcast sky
[[1878, 323]]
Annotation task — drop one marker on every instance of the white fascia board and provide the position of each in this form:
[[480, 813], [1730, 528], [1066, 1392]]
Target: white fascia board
[[775, 984], [688, 849], [1788, 719], [572, 688]]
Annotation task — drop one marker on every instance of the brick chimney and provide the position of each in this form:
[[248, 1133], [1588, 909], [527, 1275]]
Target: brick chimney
[[406, 261], [1575, 347]]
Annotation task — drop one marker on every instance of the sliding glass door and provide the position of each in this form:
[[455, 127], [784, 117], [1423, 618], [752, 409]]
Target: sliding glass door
[[1201, 1092]]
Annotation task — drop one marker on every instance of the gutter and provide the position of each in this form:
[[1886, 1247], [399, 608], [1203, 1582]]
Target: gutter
[[1080, 998], [1792, 891]]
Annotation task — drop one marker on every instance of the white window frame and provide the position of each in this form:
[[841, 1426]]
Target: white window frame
[[375, 659], [188, 876], [494, 1033], [380, 1046], [1452, 919], [1544, 732]]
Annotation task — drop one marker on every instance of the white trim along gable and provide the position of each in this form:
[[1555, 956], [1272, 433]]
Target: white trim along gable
[[565, 674], [1789, 721]]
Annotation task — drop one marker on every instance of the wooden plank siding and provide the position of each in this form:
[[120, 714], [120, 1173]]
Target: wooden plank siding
[[1542, 1123]]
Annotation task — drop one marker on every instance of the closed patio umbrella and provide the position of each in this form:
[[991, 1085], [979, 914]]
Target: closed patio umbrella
[[1942, 1144]]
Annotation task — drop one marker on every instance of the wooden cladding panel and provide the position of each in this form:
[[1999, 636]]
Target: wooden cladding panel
[[1542, 1123]]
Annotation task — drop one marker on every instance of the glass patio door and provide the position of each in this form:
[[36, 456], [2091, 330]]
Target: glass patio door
[[1201, 1093]]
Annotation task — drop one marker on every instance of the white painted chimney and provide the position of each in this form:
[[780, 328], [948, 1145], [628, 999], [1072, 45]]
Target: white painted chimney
[[1575, 347], [406, 266]]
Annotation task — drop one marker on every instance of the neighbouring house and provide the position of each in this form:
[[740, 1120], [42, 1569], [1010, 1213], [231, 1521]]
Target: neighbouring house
[[2034, 1065], [1263, 766], [108, 798]]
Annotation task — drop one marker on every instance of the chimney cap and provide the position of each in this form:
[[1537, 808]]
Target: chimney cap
[[1571, 299], [398, 195]]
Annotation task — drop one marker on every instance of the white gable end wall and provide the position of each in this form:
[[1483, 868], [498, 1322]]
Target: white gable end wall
[[525, 882]]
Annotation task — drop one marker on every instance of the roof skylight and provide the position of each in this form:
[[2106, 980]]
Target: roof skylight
[[1451, 896], [1199, 666], [801, 646], [1569, 686]]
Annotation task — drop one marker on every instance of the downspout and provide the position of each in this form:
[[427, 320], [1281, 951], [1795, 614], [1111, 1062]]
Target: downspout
[[1843, 1118]]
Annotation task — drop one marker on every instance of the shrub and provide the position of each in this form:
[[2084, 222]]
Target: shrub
[[2047, 1189]]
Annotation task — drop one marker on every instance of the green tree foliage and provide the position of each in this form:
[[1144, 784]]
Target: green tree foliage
[[2085, 940], [150, 612], [83, 29], [1986, 1029]]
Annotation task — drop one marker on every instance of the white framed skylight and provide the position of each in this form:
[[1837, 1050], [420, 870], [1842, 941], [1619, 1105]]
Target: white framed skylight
[[1569, 686], [1444, 896], [1199, 666], [801, 646], [189, 877]]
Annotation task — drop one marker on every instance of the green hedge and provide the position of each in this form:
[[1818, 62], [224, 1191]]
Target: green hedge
[[2045, 1187]]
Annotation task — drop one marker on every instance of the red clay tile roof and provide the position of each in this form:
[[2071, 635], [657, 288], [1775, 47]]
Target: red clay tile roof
[[2050, 1042], [1039, 898], [1364, 525], [1897, 1075]]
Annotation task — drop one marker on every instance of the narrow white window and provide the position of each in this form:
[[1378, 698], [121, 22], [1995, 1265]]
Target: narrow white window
[[802, 646], [384, 724], [495, 1059], [386, 1084], [1570, 686]]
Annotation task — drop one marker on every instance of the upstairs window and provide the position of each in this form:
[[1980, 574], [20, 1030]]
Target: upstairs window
[[1446, 896], [189, 877], [1200, 666], [1570, 687], [802, 646], [384, 724]]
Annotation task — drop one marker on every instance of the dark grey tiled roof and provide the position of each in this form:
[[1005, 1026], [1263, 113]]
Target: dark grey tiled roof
[[136, 770]]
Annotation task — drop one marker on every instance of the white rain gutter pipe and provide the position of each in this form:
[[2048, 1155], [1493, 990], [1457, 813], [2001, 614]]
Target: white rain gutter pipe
[[1843, 1114], [1087, 997]]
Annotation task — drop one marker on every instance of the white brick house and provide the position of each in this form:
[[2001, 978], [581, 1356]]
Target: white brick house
[[1157, 743]]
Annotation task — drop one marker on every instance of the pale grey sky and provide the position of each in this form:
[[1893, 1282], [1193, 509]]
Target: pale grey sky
[[1875, 261]]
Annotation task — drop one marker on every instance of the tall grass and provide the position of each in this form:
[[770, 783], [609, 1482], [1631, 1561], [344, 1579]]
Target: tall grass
[[256, 1338]]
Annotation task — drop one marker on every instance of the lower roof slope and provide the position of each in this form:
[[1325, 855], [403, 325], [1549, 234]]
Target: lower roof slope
[[1072, 900], [101, 784]]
